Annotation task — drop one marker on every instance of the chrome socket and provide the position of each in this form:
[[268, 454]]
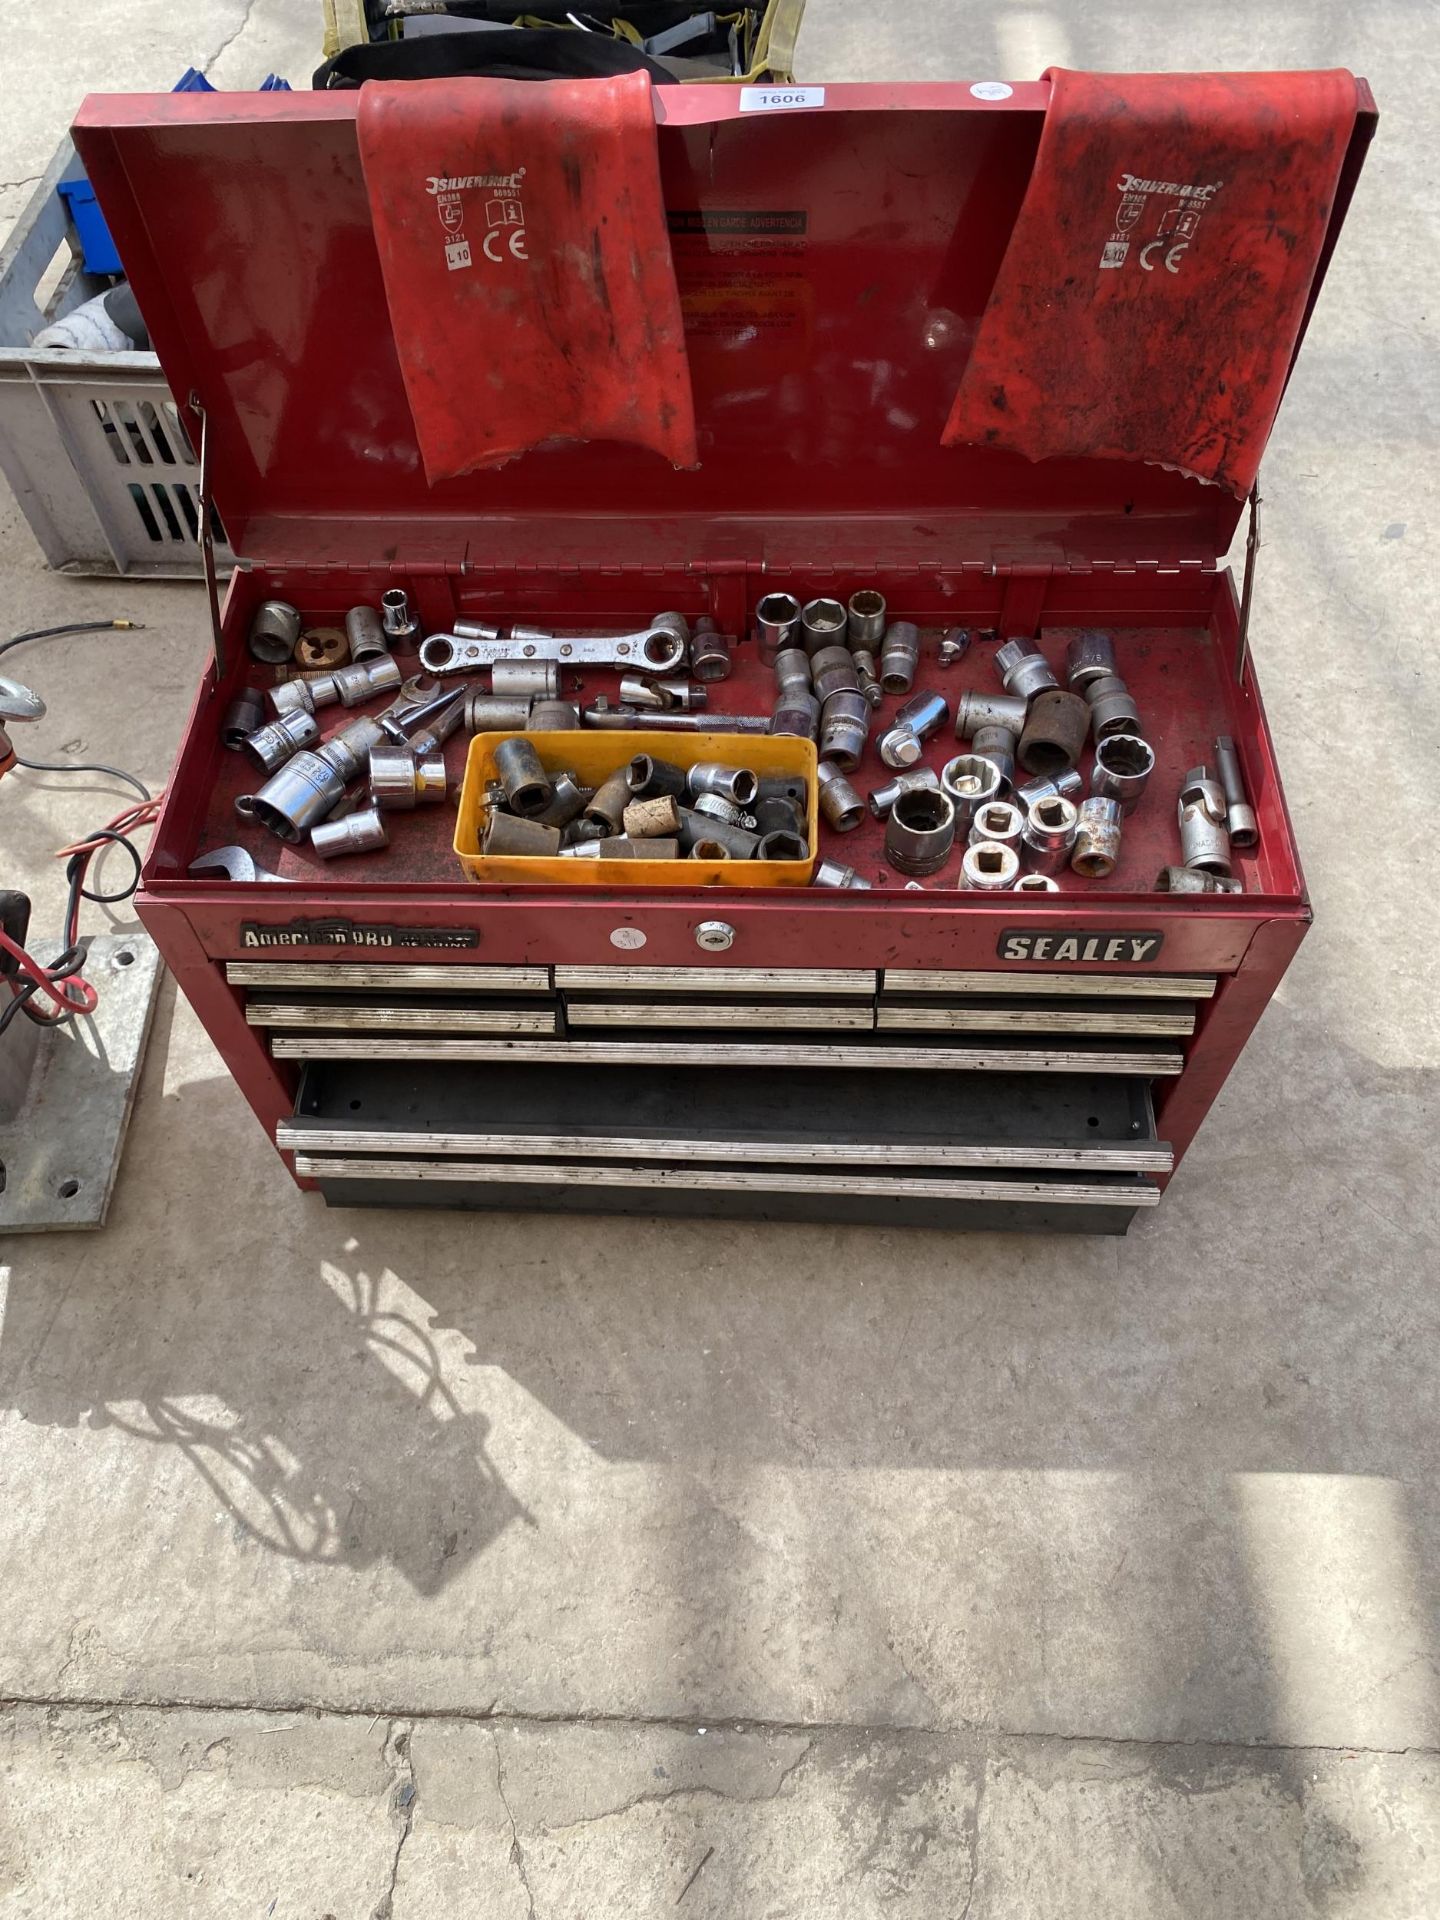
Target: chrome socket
[[1024, 671], [997, 744], [296, 799], [1036, 883], [349, 750], [832, 670], [647, 778], [1065, 784], [401, 780], [1097, 837], [351, 685], [515, 679], [1203, 816], [738, 785], [916, 780], [866, 618], [527, 785], [397, 617], [844, 729], [867, 674], [920, 833], [664, 696], [554, 716], [839, 802], [356, 833], [834, 873], [244, 715], [777, 624], [823, 623], [1123, 766], [998, 821], [954, 645], [975, 710], [366, 633], [989, 867], [1187, 880], [900, 656], [1112, 707], [914, 723], [970, 782], [783, 845], [486, 713], [275, 630], [710, 652], [1090, 656], [792, 671], [1244, 827], [271, 746], [796, 714], [1049, 835], [429, 739]]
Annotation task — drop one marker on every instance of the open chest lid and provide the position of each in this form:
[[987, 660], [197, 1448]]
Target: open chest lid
[[833, 267]]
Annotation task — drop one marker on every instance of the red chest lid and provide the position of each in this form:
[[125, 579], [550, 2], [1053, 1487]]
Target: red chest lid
[[833, 266]]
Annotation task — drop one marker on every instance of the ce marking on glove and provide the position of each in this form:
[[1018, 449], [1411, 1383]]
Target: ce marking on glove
[[1172, 254], [498, 238]]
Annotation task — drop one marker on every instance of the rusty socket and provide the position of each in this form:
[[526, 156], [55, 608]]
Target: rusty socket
[[1055, 733]]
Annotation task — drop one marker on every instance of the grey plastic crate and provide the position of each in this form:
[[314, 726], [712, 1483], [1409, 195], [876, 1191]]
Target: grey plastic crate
[[92, 444]]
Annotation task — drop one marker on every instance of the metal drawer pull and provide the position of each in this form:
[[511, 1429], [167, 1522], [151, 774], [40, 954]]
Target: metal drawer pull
[[1151, 986], [797, 980], [1021, 1019], [378, 1019], [387, 977], [351, 1140], [657, 1053], [677, 1013], [316, 1167]]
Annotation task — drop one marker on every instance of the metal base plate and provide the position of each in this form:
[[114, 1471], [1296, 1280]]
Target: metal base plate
[[60, 1145]]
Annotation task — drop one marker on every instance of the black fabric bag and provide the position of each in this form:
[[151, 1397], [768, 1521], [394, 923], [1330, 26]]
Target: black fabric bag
[[521, 53]]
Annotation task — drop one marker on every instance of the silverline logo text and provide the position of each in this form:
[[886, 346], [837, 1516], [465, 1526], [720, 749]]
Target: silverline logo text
[[1132, 183], [436, 184]]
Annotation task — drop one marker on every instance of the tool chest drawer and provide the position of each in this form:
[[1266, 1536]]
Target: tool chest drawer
[[906, 1148]]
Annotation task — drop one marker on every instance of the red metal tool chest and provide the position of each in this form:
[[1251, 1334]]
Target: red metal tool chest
[[934, 1056]]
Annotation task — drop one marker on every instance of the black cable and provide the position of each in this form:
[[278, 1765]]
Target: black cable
[[83, 626], [85, 766], [77, 864]]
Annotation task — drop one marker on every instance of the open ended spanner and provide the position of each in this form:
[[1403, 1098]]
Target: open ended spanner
[[657, 649]]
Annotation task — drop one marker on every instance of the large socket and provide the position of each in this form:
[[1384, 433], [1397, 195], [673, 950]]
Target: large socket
[[976, 709], [527, 786], [1123, 766], [970, 782], [866, 618], [823, 623], [274, 632], [920, 832], [777, 624], [1049, 836], [1112, 707], [1055, 733]]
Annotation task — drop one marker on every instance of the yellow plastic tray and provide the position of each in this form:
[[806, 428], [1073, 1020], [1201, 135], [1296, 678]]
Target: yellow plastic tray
[[592, 756]]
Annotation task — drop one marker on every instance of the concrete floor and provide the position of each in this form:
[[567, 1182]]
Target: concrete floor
[[386, 1565]]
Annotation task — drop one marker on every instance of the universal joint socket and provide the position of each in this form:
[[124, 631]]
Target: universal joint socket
[[1054, 736], [400, 780], [397, 617], [900, 656], [920, 833], [271, 746], [866, 618], [1049, 834], [1186, 880], [834, 873], [970, 782], [1123, 766], [356, 833], [777, 624], [1097, 838], [915, 722], [989, 867], [366, 633], [1023, 669], [916, 780], [1112, 706], [839, 802], [844, 729], [1090, 656], [1064, 784], [1244, 827], [1204, 834], [823, 623], [866, 673], [976, 710]]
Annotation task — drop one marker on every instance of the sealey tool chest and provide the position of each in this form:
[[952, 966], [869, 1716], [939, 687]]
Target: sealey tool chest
[[897, 1050]]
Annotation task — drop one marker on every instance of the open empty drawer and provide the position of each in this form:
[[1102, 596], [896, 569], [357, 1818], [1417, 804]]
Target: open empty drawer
[[1071, 1152]]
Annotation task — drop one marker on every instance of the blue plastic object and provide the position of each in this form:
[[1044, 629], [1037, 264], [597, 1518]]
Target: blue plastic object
[[96, 245]]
